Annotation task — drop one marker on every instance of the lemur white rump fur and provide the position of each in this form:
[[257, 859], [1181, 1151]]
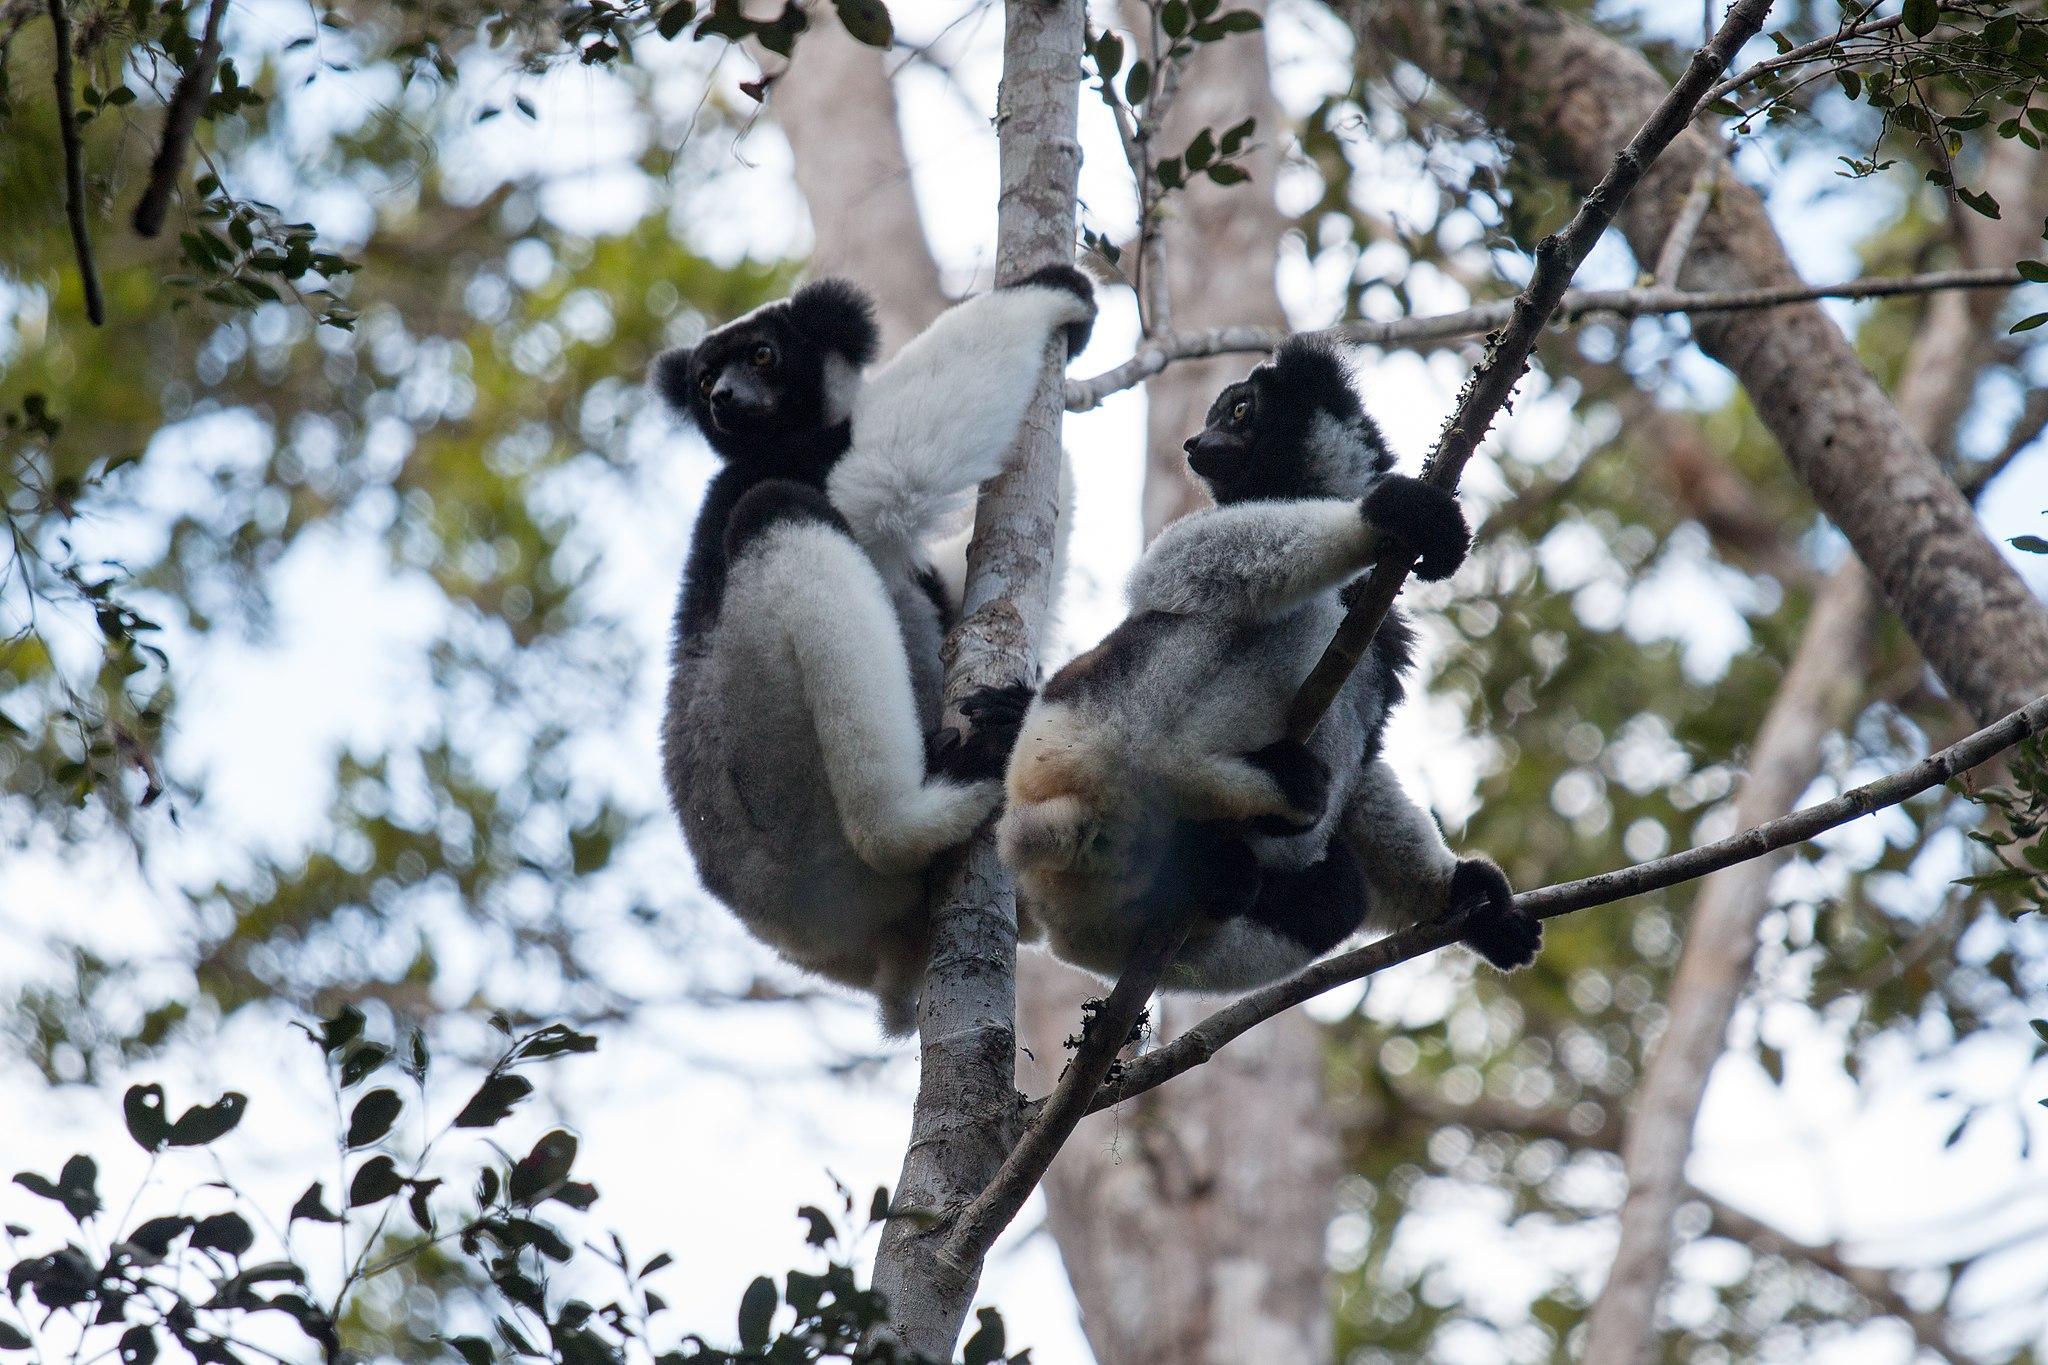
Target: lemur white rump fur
[[800, 746], [1152, 775]]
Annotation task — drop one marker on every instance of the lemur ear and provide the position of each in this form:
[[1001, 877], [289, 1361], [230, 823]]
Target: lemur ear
[[837, 315], [1313, 374], [671, 378]]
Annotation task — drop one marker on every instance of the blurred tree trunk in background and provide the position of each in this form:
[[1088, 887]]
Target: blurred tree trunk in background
[[1192, 1224], [1824, 685], [1193, 1220]]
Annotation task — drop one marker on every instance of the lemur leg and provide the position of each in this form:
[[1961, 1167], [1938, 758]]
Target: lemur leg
[[1414, 878], [1318, 906], [1280, 789], [841, 629], [1254, 561]]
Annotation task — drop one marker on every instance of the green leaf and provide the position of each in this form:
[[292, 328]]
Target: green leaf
[[1201, 151], [1174, 17], [1922, 16], [374, 1180], [668, 24], [554, 1040], [1223, 173], [2028, 324], [1240, 21], [373, 1116], [143, 1108], [493, 1100], [1979, 201], [312, 1206], [1109, 56], [866, 21], [2034, 271], [542, 1170], [1236, 135], [820, 1231], [362, 1061], [2004, 879], [985, 1347], [12, 1338], [757, 1311], [475, 1350], [2040, 1027], [344, 1028], [202, 1124], [2032, 545], [1138, 83], [228, 1232]]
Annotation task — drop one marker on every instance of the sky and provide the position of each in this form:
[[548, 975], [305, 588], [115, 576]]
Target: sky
[[721, 1125]]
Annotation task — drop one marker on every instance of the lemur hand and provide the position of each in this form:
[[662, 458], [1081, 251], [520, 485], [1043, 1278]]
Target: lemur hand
[[1425, 518], [1503, 935], [1074, 282], [994, 715], [1304, 783]]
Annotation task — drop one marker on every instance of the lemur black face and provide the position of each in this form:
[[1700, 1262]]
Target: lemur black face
[[754, 384], [1254, 443], [756, 381]]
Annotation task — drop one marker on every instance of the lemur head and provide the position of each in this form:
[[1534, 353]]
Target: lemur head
[[1292, 428], [786, 369]]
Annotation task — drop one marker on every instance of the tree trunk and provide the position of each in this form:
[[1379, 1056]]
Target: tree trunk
[[1823, 682], [1572, 97]]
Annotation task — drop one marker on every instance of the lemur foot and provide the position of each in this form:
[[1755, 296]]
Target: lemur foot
[[1426, 518], [994, 715], [1076, 283], [1304, 783], [1506, 937]]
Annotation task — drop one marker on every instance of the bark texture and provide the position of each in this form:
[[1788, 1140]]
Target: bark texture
[[1192, 1219], [1572, 97], [1824, 681], [964, 1122], [1192, 1223]]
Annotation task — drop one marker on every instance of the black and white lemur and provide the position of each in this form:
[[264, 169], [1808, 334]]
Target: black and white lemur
[[800, 747], [1152, 775]]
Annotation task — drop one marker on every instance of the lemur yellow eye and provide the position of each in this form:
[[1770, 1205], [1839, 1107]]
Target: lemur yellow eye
[[1239, 409], [764, 356]]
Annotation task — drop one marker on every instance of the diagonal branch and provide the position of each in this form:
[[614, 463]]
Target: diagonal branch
[[1507, 357], [1157, 353], [74, 165], [1202, 1042], [1054, 1119], [181, 119]]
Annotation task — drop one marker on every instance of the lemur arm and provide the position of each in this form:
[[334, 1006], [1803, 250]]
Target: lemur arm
[[1407, 864], [1253, 561], [856, 682], [937, 419]]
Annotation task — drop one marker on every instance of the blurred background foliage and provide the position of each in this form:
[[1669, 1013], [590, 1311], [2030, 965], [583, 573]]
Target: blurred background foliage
[[433, 434]]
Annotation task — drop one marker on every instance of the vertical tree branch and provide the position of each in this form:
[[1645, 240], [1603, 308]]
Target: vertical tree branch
[[181, 120], [966, 1104], [74, 165]]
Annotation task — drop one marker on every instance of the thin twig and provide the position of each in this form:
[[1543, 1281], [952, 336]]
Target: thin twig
[[2032, 421], [181, 119], [1156, 353], [1487, 391], [74, 166], [1794, 56], [1691, 213], [1201, 1042]]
